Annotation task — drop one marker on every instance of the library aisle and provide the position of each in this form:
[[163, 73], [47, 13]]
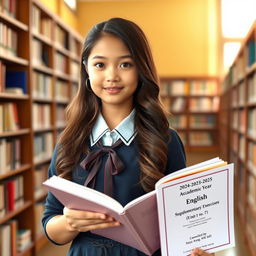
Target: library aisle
[[241, 248]]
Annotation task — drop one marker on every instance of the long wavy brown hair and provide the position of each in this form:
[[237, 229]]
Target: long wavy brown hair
[[150, 120]]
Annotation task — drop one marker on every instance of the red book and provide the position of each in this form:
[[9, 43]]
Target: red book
[[11, 195]]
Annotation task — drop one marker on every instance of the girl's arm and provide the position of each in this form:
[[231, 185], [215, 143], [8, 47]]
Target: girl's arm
[[200, 252], [64, 228]]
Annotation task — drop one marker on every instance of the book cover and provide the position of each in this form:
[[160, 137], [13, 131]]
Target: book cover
[[16, 79]]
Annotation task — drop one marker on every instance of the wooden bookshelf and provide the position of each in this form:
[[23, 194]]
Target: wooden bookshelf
[[45, 52], [193, 104], [239, 99]]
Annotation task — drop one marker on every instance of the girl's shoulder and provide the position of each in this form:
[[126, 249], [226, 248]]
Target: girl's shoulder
[[175, 142], [174, 136], [176, 152]]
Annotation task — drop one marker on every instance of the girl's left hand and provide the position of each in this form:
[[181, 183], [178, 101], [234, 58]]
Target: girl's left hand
[[200, 252]]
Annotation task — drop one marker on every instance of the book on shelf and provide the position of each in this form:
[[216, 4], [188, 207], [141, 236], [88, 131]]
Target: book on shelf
[[5, 240], [251, 51], [190, 208], [16, 82], [2, 201], [8, 40], [24, 239], [9, 7], [10, 154]]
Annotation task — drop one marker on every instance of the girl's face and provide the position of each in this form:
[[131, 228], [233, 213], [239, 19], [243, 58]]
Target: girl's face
[[112, 72]]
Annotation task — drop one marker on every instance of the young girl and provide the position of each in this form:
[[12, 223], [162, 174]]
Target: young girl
[[116, 140]]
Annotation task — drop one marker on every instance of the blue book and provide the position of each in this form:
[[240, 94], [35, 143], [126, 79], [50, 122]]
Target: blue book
[[251, 53], [16, 79]]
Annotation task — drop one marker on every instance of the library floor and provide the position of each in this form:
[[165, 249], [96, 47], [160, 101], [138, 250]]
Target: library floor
[[241, 248]]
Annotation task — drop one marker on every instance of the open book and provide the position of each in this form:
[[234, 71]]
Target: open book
[[179, 203]]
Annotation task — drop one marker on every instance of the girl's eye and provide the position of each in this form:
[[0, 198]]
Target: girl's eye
[[99, 65], [126, 65]]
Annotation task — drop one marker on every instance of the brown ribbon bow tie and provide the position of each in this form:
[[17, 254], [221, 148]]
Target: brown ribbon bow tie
[[113, 165]]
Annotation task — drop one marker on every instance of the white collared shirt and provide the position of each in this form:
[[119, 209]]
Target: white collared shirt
[[124, 131]]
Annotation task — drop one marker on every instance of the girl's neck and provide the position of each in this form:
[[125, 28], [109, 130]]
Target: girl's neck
[[114, 115]]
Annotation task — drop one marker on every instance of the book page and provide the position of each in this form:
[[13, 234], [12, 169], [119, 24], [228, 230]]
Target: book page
[[83, 192], [197, 211], [191, 169]]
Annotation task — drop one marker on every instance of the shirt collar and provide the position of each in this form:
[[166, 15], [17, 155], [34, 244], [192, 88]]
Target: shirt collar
[[125, 130]]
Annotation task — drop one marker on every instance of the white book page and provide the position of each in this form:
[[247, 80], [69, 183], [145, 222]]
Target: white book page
[[84, 192], [189, 169], [197, 211]]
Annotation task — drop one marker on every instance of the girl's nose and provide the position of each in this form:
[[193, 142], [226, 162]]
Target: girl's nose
[[112, 74]]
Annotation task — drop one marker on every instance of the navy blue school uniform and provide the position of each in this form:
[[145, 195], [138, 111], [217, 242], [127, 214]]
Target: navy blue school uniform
[[126, 187]]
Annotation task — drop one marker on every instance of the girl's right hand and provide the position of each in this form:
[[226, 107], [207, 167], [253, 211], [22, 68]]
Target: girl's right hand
[[83, 221]]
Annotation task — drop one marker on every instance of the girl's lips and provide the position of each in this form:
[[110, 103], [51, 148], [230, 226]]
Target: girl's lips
[[113, 90]]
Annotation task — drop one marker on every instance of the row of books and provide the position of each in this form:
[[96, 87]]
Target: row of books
[[40, 175], [42, 86], [74, 70], [250, 52], [244, 61], [252, 122], [61, 63], [12, 81], [202, 104], [242, 148], [10, 154], [41, 116], [252, 89], [62, 39], [239, 120], [9, 117], [201, 138], [8, 40], [252, 156], [40, 53], [60, 116], [203, 88], [41, 24], [202, 121], [238, 144], [194, 87], [39, 210], [13, 240], [234, 141], [194, 121], [43, 147], [61, 91], [177, 105], [251, 195], [178, 122], [238, 96], [9, 7], [12, 194]]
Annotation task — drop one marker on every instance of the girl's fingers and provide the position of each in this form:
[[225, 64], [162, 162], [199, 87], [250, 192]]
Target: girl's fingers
[[200, 252], [99, 226], [76, 214]]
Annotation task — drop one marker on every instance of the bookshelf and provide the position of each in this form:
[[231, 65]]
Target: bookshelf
[[193, 104], [39, 72], [239, 125]]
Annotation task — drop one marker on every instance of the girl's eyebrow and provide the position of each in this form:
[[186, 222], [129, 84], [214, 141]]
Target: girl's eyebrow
[[120, 57]]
